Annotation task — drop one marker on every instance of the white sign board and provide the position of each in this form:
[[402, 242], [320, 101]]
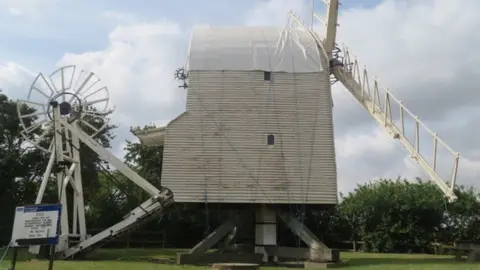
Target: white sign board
[[36, 225]]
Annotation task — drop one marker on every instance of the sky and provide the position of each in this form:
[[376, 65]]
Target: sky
[[423, 51]]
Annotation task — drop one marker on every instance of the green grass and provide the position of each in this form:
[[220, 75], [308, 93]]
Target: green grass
[[145, 259]]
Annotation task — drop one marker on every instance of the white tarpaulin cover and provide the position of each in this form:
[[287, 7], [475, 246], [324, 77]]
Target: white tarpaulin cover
[[254, 48], [152, 136]]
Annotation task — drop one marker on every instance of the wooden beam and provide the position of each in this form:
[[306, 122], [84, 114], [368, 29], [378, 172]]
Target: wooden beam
[[304, 253]]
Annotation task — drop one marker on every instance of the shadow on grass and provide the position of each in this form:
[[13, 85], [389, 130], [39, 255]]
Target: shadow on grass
[[134, 255], [22, 256], [168, 256], [355, 262]]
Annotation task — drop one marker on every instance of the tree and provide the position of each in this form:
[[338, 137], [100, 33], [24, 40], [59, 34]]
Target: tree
[[115, 194], [145, 159], [105, 204], [21, 165], [395, 216], [147, 162], [462, 217]]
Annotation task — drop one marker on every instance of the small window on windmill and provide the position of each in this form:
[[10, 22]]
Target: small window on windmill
[[270, 139], [267, 75]]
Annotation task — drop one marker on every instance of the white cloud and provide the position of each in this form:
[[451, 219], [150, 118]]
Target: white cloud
[[356, 145], [15, 79], [119, 17], [27, 7], [138, 67], [424, 52], [414, 48], [274, 12]]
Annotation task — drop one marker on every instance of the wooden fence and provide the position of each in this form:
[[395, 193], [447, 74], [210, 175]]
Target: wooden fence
[[139, 238], [159, 239]]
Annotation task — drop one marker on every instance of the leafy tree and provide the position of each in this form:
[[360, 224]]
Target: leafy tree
[[116, 194], [105, 205], [21, 166], [396, 216], [461, 221], [147, 162]]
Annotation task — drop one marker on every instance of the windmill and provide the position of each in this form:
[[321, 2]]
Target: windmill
[[71, 108], [259, 137], [257, 134]]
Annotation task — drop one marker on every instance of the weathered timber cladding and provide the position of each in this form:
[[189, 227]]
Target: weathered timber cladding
[[217, 151]]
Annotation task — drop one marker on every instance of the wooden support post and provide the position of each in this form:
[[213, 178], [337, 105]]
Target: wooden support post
[[472, 256], [14, 259], [213, 238], [265, 232], [227, 244], [52, 257], [471, 248], [197, 253], [318, 250], [458, 254], [235, 266]]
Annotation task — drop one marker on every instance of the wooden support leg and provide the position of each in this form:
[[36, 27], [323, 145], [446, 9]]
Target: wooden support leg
[[227, 244], [213, 238], [458, 255], [265, 232], [197, 255], [472, 256], [318, 250]]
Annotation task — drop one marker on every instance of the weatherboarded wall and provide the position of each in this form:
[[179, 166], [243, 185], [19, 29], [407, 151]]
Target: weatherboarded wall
[[246, 86], [218, 150]]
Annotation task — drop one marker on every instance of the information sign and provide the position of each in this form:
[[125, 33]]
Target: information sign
[[36, 225]]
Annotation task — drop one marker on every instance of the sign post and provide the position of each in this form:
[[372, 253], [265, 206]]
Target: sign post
[[35, 225], [14, 259]]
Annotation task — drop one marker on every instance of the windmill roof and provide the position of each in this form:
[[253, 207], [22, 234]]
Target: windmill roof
[[254, 48]]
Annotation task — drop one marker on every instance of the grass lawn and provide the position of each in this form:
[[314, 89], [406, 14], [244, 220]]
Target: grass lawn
[[131, 259]]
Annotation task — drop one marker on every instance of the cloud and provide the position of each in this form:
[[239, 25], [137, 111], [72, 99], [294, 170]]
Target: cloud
[[138, 67], [352, 145], [15, 79], [428, 75], [413, 47], [427, 59], [27, 7], [274, 12], [119, 17]]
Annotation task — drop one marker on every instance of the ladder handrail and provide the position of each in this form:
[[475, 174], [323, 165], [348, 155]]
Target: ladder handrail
[[354, 71], [361, 90]]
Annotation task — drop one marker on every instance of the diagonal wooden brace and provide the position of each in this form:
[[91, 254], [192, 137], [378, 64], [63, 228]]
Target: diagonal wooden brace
[[215, 236], [318, 250]]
